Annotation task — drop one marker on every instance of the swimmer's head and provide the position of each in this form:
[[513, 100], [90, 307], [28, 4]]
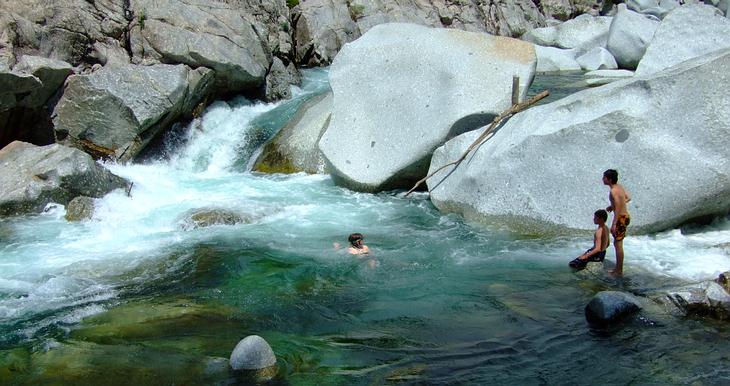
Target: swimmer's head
[[601, 214], [355, 237], [611, 175]]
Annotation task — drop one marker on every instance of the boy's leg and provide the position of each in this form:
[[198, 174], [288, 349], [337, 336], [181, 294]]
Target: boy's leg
[[619, 246]]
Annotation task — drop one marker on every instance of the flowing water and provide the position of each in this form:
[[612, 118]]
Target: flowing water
[[133, 296]]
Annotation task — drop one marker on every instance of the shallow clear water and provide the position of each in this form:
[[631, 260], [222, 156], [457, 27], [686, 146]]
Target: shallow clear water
[[131, 297]]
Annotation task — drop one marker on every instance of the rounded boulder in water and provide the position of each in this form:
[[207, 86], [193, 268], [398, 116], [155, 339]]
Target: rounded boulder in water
[[252, 353]]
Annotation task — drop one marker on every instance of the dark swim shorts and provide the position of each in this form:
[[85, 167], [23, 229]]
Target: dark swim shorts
[[621, 224]]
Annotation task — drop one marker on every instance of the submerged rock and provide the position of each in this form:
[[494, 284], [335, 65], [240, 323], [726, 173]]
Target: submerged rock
[[33, 176], [80, 208], [398, 95], [201, 218], [116, 111], [252, 353], [541, 172], [294, 148], [687, 32], [611, 306]]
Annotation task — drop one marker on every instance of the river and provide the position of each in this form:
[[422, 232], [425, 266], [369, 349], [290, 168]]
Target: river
[[132, 296]]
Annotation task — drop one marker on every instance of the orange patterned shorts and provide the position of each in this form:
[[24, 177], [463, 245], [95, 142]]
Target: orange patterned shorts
[[621, 224]]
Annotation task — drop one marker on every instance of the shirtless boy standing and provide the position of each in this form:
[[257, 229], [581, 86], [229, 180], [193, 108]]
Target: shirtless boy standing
[[618, 198]]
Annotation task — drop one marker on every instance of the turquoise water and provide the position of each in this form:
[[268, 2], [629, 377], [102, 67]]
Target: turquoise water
[[130, 297]]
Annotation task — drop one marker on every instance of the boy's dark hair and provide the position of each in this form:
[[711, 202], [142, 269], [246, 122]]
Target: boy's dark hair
[[354, 237], [602, 214], [612, 175]]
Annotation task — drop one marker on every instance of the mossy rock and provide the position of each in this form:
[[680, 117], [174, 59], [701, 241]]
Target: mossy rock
[[160, 324]]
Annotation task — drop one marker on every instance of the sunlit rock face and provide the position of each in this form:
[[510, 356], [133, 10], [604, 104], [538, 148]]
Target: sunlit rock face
[[294, 148], [401, 90], [322, 27], [666, 134], [629, 35], [214, 35], [116, 111], [687, 32], [582, 34]]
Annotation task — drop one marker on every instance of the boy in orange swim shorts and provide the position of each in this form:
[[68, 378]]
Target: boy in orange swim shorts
[[619, 198]]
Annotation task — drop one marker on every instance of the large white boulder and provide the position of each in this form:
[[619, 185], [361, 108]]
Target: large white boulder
[[551, 59], [629, 35], [582, 33], [667, 135], [685, 33], [597, 59], [402, 90]]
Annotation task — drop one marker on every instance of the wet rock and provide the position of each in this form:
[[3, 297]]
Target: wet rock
[[608, 307], [724, 280], [33, 176], [628, 37], [592, 269], [115, 112], [384, 128], [80, 208], [687, 32], [705, 299], [648, 127], [294, 148], [252, 353], [201, 218]]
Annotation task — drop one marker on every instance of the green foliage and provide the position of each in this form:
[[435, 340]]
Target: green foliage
[[142, 17], [292, 3], [356, 11]]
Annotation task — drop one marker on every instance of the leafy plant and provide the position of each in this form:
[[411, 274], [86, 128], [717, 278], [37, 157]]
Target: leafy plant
[[356, 11], [142, 17], [292, 3]]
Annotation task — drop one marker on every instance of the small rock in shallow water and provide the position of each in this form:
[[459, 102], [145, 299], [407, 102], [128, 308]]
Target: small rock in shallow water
[[252, 353], [610, 306]]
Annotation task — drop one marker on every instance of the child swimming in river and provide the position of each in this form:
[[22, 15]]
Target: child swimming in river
[[358, 248], [601, 241]]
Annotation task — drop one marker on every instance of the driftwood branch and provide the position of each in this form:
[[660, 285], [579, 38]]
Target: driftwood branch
[[516, 108]]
